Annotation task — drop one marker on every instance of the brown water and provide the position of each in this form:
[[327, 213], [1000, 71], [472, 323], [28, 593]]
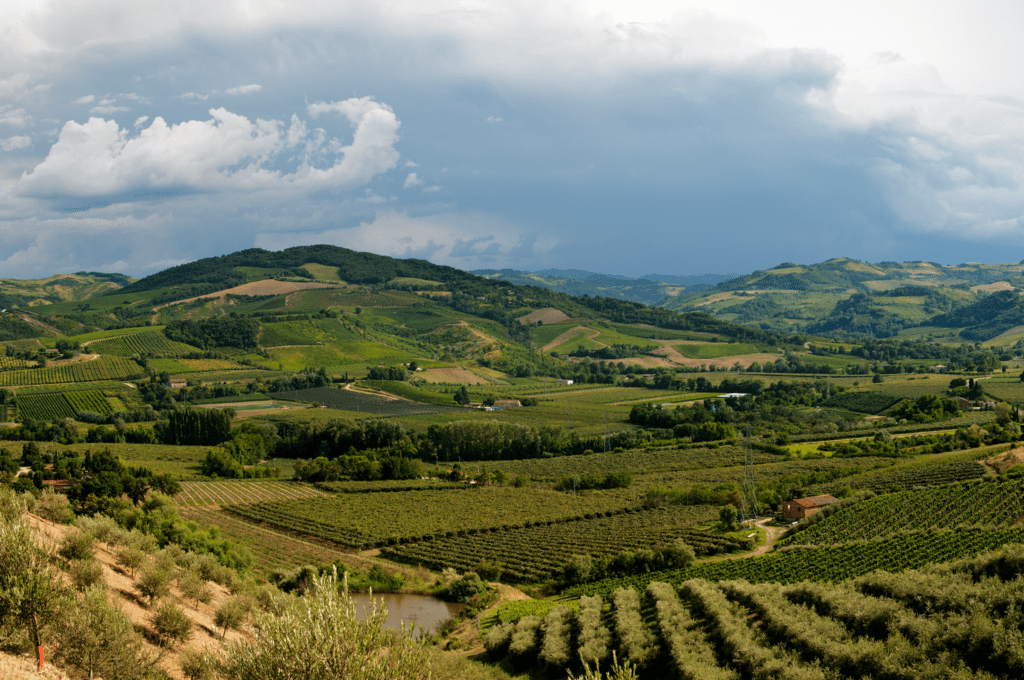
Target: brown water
[[421, 611]]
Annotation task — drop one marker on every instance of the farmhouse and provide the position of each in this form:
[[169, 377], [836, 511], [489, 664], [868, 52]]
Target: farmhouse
[[564, 382], [507, 403], [962, 403], [805, 507], [177, 383]]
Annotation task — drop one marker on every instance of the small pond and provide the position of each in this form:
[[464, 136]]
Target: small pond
[[422, 611]]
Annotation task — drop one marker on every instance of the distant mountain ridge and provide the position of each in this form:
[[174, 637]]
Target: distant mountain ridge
[[849, 297], [651, 289]]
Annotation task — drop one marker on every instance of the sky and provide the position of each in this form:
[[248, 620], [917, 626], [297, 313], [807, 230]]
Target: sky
[[625, 138]]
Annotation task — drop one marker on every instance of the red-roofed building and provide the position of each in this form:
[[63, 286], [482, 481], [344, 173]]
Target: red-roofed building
[[805, 507]]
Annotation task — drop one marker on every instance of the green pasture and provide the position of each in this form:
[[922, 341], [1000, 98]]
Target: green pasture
[[322, 272], [339, 354], [544, 334]]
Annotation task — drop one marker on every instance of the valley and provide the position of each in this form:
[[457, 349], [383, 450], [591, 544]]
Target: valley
[[586, 474]]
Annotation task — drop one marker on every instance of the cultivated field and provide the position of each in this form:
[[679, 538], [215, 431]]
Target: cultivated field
[[232, 492]]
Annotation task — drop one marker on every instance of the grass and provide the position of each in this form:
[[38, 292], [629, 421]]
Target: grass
[[716, 350]]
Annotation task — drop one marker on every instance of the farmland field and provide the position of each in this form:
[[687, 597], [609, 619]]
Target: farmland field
[[715, 350], [538, 553], [104, 368], [348, 400], [993, 504], [151, 343], [229, 492], [830, 564], [10, 363], [388, 518]]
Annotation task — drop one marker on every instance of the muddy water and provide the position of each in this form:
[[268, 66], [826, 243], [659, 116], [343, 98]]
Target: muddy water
[[420, 610]]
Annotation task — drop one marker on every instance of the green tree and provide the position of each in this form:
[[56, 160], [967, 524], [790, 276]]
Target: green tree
[[171, 625], [319, 637], [462, 396], [96, 637], [727, 517], [29, 592]]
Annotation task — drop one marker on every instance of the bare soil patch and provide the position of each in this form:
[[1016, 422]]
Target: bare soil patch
[[1005, 461], [547, 316], [265, 287], [991, 287], [451, 375]]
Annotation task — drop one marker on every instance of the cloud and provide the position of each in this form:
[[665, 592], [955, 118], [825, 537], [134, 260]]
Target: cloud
[[226, 152], [411, 181], [460, 239], [244, 89], [195, 95], [140, 121], [12, 116], [102, 110], [492, 119], [87, 99], [14, 143]]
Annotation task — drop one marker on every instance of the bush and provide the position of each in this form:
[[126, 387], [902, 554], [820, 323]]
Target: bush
[[231, 614], [85, 573], [284, 647], [153, 583], [95, 637], [77, 545], [525, 641], [497, 640], [196, 664], [557, 648], [131, 559], [171, 625], [465, 588], [194, 587]]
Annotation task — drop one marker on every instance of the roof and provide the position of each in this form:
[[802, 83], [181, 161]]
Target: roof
[[815, 501]]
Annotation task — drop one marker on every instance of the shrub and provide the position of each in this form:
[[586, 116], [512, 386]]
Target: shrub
[[96, 637], [153, 583], [194, 587], [231, 614], [130, 558], [497, 640], [594, 635], [525, 641], [557, 648], [197, 664], [171, 625], [77, 545], [284, 647], [54, 507], [85, 573]]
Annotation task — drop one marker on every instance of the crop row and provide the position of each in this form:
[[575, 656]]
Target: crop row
[[634, 460], [271, 550], [995, 504], [348, 400], [885, 481], [147, 343], [104, 368], [831, 563], [938, 622], [226, 493], [538, 553], [58, 405], [10, 363], [407, 516]]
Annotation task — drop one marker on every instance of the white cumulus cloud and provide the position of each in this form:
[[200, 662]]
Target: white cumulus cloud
[[17, 142], [412, 181], [12, 116], [226, 152], [87, 99], [244, 89]]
